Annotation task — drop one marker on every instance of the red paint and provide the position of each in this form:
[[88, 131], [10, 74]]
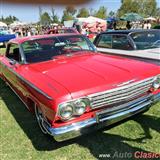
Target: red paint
[[66, 78]]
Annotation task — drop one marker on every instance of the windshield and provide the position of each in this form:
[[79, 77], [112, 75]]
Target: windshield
[[146, 40], [44, 49]]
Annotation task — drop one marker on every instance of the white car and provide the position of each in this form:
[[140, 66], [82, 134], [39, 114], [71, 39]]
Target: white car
[[141, 44]]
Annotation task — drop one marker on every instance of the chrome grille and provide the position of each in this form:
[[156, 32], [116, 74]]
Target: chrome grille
[[120, 94]]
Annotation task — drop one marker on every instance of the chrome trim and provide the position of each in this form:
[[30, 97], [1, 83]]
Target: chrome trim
[[17, 95], [125, 83], [132, 108], [118, 113], [29, 83], [156, 98], [127, 86], [120, 94], [40, 119]]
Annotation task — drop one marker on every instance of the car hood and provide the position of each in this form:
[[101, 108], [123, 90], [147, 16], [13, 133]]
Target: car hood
[[89, 73], [154, 50]]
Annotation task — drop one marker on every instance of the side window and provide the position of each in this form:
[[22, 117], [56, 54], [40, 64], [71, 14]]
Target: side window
[[105, 41], [146, 40], [121, 42], [13, 52]]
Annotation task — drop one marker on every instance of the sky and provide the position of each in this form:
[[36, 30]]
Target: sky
[[30, 12]]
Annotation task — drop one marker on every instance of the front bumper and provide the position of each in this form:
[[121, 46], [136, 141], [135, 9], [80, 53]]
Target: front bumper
[[103, 118]]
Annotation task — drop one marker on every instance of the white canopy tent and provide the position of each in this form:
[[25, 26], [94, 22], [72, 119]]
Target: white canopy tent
[[2, 24], [150, 19], [91, 19], [96, 19], [17, 23], [54, 24]]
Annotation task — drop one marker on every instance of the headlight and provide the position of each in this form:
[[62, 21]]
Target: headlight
[[80, 106], [66, 111], [76, 107], [156, 83]]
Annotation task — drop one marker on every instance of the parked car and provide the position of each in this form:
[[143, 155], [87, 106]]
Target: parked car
[[5, 37], [141, 44], [62, 31], [72, 88]]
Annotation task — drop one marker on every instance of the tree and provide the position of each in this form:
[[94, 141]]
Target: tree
[[2, 18], [128, 6], [66, 16], [14, 18], [111, 14], [92, 12], [148, 7], [71, 10], [83, 12], [54, 17], [157, 12], [142, 7], [45, 18], [8, 20], [101, 13], [68, 13]]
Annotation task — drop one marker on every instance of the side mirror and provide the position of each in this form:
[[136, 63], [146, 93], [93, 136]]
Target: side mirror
[[12, 62]]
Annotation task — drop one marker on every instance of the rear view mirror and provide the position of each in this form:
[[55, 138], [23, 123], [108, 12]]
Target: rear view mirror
[[60, 44]]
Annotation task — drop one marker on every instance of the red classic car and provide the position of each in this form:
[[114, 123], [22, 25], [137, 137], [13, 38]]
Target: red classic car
[[72, 88]]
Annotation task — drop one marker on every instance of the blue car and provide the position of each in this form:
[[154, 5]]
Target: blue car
[[5, 36]]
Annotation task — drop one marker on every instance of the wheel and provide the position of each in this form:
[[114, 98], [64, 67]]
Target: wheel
[[40, 119]]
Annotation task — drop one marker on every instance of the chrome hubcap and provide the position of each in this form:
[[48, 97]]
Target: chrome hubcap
[[40, 119]]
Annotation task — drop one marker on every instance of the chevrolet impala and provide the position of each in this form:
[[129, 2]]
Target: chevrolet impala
[[73, 89]]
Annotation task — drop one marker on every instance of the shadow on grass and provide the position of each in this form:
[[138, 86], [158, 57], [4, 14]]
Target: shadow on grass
[[97, 142], [147, 122]]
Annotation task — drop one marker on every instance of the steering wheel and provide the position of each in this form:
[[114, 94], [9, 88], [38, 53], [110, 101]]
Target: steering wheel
[[72, 48]]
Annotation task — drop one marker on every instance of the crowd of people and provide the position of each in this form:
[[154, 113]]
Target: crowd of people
[[139, 25], [132, 25], [21, 31]]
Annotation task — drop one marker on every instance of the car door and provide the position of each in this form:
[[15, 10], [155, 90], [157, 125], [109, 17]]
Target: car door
[[11, 65]]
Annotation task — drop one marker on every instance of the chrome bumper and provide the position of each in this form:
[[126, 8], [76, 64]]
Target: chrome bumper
[[103, 118]]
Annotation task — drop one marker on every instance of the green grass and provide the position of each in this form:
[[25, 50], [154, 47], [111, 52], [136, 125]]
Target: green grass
[[21, 138], [2, 50]]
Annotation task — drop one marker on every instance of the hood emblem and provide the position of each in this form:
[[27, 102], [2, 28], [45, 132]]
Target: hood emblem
[[125, 83]]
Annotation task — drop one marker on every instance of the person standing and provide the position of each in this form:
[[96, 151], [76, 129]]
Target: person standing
[[128, 25], [114, 25], [145, 25], [148, 25]]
